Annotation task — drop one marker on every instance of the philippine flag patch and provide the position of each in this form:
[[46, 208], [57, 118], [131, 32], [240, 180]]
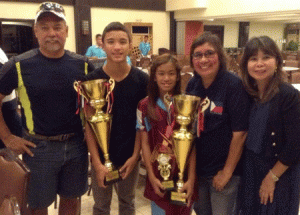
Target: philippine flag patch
[[216, 107]]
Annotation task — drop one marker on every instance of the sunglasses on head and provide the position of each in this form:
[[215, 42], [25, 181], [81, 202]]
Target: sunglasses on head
[[52, 6]]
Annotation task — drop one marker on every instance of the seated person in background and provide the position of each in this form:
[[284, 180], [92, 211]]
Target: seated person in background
[[96, 50], [9, 108], [145, 46], [162, 51]]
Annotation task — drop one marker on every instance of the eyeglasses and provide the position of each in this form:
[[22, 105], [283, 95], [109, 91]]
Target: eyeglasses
[[52, 6], [207, 54]]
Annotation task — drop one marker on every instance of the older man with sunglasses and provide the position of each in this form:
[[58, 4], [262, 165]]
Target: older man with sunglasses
[[52, 144]]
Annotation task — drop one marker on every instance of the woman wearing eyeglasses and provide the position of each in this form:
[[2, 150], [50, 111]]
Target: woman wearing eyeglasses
[[220, 145]]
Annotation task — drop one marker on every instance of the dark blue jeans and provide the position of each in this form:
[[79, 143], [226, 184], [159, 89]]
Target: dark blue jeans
[[213, 202]]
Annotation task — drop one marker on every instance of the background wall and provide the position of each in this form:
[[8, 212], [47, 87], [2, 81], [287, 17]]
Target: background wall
[[180, 43], [275, 31], [229, 7], [161, 23], [100, 18], [231, 32], [184, 4], [192, 30], [14, 10]]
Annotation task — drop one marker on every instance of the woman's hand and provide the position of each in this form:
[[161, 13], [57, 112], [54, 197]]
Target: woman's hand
[[266, 190]]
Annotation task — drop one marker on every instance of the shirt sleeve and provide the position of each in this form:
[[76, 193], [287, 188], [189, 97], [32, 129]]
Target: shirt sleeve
[[142, 122], [91, 67], [238, 105], [8, 78], [89, 52], [290, 112]]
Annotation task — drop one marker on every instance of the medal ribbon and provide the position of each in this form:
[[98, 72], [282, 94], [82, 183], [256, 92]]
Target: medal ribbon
[[109, 98], [200, 126], [162, 147], [171, 123], [78, 98], [202, 107]]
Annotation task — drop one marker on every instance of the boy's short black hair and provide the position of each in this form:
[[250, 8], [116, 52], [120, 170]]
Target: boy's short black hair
[[98, 35], [116, 26]]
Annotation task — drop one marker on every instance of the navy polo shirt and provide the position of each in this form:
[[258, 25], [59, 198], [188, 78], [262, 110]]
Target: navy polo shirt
[[228, 112]]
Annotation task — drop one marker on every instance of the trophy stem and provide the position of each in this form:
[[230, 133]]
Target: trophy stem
[[99, 112], [108, 163], [183, 128], [180, 181]]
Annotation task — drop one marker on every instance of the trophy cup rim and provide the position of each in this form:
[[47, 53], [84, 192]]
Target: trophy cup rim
[[185, 96], [94, 81]]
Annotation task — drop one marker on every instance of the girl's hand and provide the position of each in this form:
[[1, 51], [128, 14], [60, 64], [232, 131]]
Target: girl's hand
[[157, 186], [266, 190], [188, 187]]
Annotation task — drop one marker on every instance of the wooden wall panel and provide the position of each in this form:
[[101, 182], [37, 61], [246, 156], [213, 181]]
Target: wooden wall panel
[[159, 5], [66, 2], [82, 16]]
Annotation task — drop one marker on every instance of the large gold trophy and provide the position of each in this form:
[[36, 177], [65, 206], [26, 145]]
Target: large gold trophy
[[185, 107], [97, 92]]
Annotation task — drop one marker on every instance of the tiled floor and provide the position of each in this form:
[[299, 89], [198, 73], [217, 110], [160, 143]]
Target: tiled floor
[[142, 204]]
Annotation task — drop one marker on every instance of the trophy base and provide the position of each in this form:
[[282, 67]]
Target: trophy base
[[112, 177], [168, 185], [178, 198]]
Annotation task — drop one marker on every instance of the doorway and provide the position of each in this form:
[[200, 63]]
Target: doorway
[[217, 30], [17, 37]]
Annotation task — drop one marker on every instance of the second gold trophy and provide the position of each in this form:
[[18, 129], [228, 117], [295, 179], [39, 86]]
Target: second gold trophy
[[97, 93]]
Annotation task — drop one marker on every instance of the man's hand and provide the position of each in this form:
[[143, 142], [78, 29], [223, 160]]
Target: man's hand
[[220, 180], [18, 144], [126, 169], [101, 173]]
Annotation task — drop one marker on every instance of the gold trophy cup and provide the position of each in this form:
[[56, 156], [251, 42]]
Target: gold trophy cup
[[185, 107], [96, 92]]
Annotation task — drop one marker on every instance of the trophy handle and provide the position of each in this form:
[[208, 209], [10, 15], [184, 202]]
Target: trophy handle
[[76, 85], [111, 84], [78, 88], [204, 104], [111, 87]]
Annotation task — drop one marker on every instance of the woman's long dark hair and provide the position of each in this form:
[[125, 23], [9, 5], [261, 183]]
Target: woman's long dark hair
[[153, 91], [268, 46]]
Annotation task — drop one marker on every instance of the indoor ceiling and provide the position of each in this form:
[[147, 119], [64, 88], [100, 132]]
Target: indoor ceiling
[[280, 16]]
